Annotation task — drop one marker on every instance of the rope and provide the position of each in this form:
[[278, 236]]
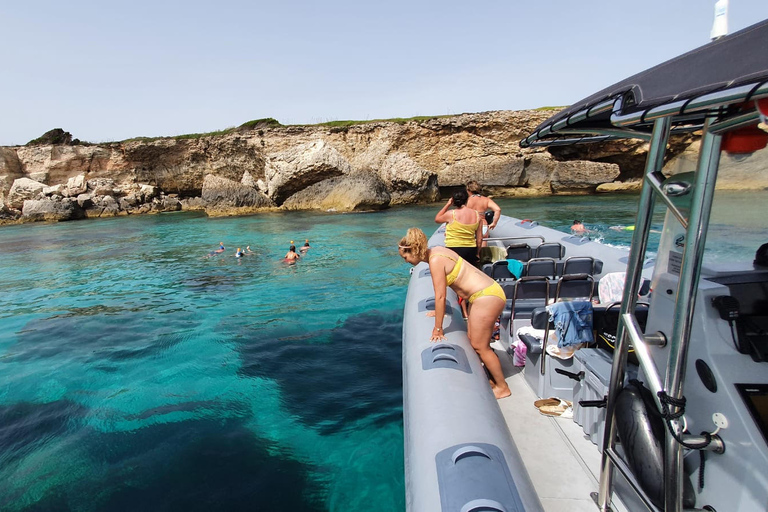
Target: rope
[[668, 416]]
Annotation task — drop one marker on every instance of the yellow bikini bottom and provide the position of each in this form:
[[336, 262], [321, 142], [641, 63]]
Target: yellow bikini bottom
[[494, 290]]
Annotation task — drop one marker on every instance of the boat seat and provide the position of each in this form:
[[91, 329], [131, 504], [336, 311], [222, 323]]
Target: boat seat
[[580, 265], [521, 252], [500, 270], [575, 286], [554, 250], [530, 293], [545, 267]]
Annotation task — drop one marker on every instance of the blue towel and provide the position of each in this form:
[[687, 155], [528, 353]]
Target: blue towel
[[573, 322], [515, 267]]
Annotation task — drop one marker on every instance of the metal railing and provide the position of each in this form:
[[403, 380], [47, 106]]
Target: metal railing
[[629, 330]]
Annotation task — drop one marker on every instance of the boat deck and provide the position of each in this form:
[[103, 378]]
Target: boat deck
[[545, 443]]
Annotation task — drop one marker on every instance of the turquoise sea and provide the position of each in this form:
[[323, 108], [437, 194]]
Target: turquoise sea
[[139, 374]]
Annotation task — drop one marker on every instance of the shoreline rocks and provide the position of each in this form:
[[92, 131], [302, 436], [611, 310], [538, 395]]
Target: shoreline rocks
[[351, 168]]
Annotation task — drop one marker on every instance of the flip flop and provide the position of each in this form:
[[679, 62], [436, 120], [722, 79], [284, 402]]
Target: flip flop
[[553, 400], [558, 411]]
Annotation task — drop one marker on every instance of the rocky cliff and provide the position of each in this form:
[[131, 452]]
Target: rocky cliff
[[359, 167]]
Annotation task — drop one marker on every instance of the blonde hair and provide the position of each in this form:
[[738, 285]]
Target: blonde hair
[[474, 187], [415, 242]]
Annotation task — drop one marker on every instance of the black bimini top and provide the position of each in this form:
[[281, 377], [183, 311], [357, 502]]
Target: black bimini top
[[691, 87]]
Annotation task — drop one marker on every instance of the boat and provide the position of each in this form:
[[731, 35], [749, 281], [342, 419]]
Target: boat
[[672, 415]]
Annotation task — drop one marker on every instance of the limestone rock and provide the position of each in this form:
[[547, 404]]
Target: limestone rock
[[224, 194], [192, 204], [248, 180], [342, 193], [582, 176], [147, 193], [42, 176], [54, 190], [407, 181], [103, 206], [487, 170], [8, 215], [631, 186], [22, 190], [10, 165], [84, 200], [301, 166], [49, 209], [77, 185], [166, 204]]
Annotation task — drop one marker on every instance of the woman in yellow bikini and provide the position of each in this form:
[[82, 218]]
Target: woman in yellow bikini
[[485, 296]]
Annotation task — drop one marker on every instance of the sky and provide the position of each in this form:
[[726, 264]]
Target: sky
[[109, 71]]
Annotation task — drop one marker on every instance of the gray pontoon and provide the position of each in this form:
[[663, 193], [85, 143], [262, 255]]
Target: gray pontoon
[[694, 436]]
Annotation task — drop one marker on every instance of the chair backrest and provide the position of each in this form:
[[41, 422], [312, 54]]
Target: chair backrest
[[550, 250], [521, 252], [536, 287], [575, 286], [541, 267], [500, 270], [530, 293], [579, 265], [509, 289]]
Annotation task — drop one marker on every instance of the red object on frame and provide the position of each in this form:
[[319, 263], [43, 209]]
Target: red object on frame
[[748, 139]]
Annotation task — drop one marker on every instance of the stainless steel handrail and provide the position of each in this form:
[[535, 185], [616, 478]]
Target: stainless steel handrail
[[654, 163], [515, 238], [629, 330], [687, 288]]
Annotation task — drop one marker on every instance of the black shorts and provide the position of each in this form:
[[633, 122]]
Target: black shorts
[[468, 254]]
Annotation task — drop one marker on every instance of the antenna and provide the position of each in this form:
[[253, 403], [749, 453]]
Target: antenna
[[720, 26]]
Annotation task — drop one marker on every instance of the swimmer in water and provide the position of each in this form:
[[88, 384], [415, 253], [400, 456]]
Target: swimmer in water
[[217, 251], [578, 228], [239, 253], [305, 247], [292, 256]]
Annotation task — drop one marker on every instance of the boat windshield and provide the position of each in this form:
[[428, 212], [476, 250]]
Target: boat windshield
[[740, 204]]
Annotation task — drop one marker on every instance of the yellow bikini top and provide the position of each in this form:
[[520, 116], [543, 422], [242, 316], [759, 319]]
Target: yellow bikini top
[[450, 278]]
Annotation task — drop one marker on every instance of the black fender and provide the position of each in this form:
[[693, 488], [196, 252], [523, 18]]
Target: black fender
[[641, 431]]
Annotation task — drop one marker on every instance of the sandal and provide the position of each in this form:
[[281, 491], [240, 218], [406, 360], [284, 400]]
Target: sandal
[[553, 400], [558, 411]]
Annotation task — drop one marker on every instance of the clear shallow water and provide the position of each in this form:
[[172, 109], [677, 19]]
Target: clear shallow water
[[139, 374]]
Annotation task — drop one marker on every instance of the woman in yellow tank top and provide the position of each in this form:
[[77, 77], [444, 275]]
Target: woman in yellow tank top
[[485, 296], [463, 231]]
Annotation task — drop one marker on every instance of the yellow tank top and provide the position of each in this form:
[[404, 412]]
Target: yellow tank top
[[461, 235]]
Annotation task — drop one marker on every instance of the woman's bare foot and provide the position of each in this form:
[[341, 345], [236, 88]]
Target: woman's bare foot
[[501, 392]]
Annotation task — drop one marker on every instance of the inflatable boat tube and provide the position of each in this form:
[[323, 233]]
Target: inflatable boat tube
[[458, 451]]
